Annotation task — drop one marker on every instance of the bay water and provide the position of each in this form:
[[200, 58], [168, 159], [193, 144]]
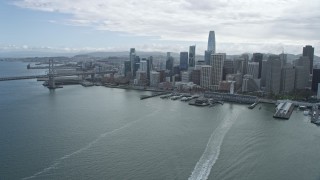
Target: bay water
[[106, 133]]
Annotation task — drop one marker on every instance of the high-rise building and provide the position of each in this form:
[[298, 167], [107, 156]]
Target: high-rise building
[[132, 58], [205, 76], [127, 68], [183, 61], [273, 74], [249, 84], [309, 52], [245, 57], [185, 76], [315, 79], [143, 65], [212, 42], [154, 78], [287, 78], [283, 59], [217, 62], [136, 65], [302, 66], [196, 74], [263, 73], [207, 55], [192, 56], [227, 68], [169, 63], [253, 69], [258, 57]]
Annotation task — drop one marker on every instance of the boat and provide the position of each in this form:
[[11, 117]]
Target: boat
[[302, 107]]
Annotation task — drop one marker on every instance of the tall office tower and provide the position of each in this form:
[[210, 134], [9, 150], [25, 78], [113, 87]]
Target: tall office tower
[[169, 63], [217, 62], [302, 72], [183, 61], [263, 73], [309, 51], [253, 69], [196, 74], [273, 74], [192, 56], [245, 57], [154, 79], [238, 65], [132, 58], [257, 57], [283, 59], [315, 79], [149, 67], [227, 68], [212, 42], [207, 55], [136, 65], [287, 78], [205, 76], [127, 68], [143, 65]]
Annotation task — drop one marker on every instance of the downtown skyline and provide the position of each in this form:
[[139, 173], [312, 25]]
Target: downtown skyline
[[240, 27]]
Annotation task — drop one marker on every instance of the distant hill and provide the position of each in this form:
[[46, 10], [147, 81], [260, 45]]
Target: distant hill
[[142, 54]]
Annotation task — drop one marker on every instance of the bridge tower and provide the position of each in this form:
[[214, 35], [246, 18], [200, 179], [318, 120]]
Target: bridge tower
[[51, 75]]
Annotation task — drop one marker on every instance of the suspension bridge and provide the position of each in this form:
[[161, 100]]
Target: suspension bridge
[[51, 75]]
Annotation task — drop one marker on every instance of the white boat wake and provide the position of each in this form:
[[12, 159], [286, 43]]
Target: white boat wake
[[58, 161], [210, 155]]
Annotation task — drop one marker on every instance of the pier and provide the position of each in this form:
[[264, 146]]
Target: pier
[[284, 110], [153, 95]]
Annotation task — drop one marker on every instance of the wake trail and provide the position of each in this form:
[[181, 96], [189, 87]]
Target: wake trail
[[89, 145], [211, 153]]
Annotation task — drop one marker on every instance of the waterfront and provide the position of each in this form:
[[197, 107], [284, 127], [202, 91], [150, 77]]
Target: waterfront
[[106, 133]]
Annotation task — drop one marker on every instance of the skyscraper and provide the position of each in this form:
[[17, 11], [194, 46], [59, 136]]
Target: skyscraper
[[132, 57], [212, 42], [315, 79], [127, 68], [217, 62], [192, 55], [257, 57], [309, 52], [205, 76], [253, 69], [287, 78], [302, 72], [183, 61], [273, 74], [169, 62], [207, 55]]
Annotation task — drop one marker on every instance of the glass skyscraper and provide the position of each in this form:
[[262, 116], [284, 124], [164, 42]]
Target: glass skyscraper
[[212, 42]]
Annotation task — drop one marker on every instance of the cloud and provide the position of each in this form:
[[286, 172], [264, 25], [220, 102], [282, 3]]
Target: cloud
[[290, 22]]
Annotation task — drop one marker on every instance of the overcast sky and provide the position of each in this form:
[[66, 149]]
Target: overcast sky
[[268, 26]]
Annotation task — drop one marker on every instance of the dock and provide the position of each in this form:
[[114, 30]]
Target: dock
[[153, 95], [252, 106], [284, 110]]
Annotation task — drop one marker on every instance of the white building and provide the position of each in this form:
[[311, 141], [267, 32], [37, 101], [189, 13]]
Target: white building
[[154, 79], [185, 76], [205, 76], [216, 62], [143, 66]]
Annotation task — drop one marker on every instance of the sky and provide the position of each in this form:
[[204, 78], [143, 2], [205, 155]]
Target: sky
[[241, 26]]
